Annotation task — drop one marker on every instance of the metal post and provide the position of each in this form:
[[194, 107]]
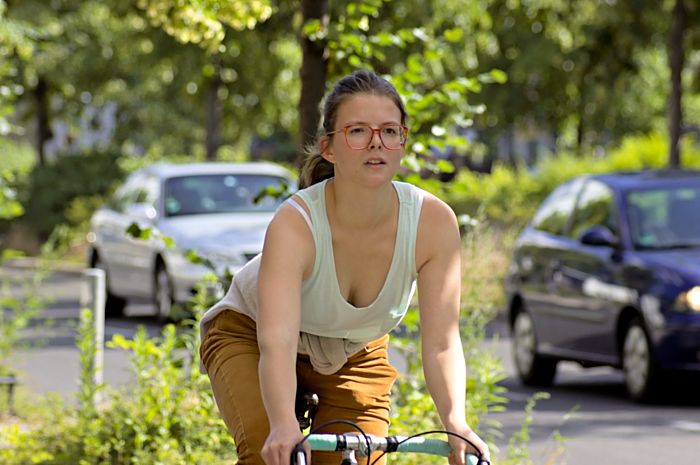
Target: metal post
[[94, 298]]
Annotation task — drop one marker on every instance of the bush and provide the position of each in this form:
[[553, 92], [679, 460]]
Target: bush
[[168, 417], [509, 197], [50, 191]]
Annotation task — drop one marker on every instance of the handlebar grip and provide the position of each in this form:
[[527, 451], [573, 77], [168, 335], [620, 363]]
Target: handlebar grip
[[323, 441], [298, 455]]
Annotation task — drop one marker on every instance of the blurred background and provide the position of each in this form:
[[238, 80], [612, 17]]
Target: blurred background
[[506, 97]]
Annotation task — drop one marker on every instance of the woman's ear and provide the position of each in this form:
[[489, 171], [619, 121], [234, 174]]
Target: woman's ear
[[326, 152]]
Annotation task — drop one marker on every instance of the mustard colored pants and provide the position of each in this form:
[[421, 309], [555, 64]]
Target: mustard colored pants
[[358, 392]]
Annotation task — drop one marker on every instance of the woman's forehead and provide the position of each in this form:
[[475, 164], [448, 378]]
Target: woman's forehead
[[368, 108]]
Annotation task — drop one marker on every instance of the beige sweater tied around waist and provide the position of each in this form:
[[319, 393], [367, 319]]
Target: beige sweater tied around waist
[[327, 354]]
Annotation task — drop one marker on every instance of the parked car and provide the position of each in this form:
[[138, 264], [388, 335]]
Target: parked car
[[607, 272], [205, 207]]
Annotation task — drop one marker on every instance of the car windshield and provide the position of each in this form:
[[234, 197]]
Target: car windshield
[[221, 193], [664, 218]]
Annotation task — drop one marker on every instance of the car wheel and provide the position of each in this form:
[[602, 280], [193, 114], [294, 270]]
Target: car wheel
[[114, 306], [163, 293], [637, 363], [533, 369]]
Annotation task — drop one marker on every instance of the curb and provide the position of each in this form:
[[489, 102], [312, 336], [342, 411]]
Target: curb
[[33, 263]]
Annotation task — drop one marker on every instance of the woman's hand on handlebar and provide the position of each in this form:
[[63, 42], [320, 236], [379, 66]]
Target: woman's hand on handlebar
[[280, 443], [461, 448]]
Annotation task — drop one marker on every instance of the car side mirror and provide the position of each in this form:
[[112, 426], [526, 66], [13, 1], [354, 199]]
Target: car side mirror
[[141, 211], [599, 236]]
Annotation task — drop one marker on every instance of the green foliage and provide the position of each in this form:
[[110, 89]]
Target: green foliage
[[202, 21], [17, 160], [19, 304], [168, 416], [51, 189], [509, 196], [16, 45], [423, 58]]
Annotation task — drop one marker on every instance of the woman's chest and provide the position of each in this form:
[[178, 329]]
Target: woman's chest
[[362, 264]]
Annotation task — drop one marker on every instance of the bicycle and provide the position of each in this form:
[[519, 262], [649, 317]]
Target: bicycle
[[365, 444]]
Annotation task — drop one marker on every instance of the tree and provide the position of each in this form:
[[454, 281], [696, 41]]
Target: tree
[[16, 47], [312, 73], [204, 23], [676, 63]]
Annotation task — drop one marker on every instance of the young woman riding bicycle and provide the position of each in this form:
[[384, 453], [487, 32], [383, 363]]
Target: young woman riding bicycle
[[339, 266]]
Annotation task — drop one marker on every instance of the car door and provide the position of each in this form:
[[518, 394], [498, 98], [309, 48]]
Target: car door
[[588, 281], [537, 254], [123, 254], [138, 254]]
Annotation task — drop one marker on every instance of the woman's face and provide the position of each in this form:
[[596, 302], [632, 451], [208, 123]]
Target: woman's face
[[374, 164]]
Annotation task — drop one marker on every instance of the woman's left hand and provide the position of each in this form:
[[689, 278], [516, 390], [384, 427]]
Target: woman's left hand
[[460, 448]]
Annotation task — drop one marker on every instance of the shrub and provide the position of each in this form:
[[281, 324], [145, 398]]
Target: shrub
[[51, 189], [509, 197]]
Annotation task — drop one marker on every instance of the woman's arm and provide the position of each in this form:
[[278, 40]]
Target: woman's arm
[[287, 255], [439, 285]]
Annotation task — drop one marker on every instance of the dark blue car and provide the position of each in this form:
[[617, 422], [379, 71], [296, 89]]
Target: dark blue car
[[607, 272]]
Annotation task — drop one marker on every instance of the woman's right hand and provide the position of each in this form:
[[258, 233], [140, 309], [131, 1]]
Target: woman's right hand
[[280, 443]]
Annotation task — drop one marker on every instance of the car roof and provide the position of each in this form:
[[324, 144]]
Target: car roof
[[169, 170], [626, 180]]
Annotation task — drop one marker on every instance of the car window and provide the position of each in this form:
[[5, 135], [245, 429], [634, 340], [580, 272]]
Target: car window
[[220, 193], [137, 189], [595, 207], [554, 213], [664, 217], [145, 191], [126, 193]]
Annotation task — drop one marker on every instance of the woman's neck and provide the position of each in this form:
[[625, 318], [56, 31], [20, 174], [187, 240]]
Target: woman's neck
[[360, 208]]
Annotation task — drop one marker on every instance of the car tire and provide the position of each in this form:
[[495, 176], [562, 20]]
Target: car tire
[[114, 306], [533, 369], [163, 293], [641, 373]]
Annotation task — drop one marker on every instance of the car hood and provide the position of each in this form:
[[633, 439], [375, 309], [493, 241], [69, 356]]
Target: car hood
[[234, 230], [684, 261]]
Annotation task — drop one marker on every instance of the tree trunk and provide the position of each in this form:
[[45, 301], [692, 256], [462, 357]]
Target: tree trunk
[[581, 126], [313, 77], [213, 115], [43, 131], [676, 62]]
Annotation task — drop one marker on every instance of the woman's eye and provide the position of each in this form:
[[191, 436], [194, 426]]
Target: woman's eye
[[357, 130], [391, 131]]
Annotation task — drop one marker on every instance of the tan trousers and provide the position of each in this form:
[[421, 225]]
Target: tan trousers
[[358, 392]]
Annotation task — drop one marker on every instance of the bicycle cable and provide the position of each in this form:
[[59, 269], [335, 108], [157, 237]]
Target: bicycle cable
[[479, 454]]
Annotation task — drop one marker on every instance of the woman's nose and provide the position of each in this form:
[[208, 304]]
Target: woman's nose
[[376, 140]]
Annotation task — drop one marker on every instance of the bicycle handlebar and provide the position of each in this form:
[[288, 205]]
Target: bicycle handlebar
[[344, 442]]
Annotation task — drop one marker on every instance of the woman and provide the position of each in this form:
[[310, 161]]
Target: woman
[[337, 272]]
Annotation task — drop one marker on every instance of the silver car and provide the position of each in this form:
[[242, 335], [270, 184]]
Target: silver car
[[214, 209]]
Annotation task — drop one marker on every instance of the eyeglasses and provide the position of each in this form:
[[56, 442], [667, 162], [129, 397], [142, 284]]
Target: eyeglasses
[[359, 136]]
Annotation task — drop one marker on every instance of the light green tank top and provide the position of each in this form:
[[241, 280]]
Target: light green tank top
[[324, 311]]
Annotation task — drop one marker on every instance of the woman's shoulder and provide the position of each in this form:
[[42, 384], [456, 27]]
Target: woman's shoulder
[[437, 219], [436, 208]]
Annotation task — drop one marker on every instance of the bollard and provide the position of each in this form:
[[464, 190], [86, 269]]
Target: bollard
[[94, 297], [9, 382]]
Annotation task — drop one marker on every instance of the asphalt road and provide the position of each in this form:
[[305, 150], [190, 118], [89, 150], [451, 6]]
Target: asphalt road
[[586, 421]]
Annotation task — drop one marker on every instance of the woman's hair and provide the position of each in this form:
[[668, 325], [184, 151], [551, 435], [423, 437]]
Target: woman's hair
[[316, 168]]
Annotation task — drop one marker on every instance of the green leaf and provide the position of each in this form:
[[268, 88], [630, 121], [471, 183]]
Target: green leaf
[[135, 231], [495, 75], [168, 241], [445, 166], [193, 257], [454, 35]]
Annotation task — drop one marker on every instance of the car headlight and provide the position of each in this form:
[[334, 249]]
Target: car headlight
[[689, 300]]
